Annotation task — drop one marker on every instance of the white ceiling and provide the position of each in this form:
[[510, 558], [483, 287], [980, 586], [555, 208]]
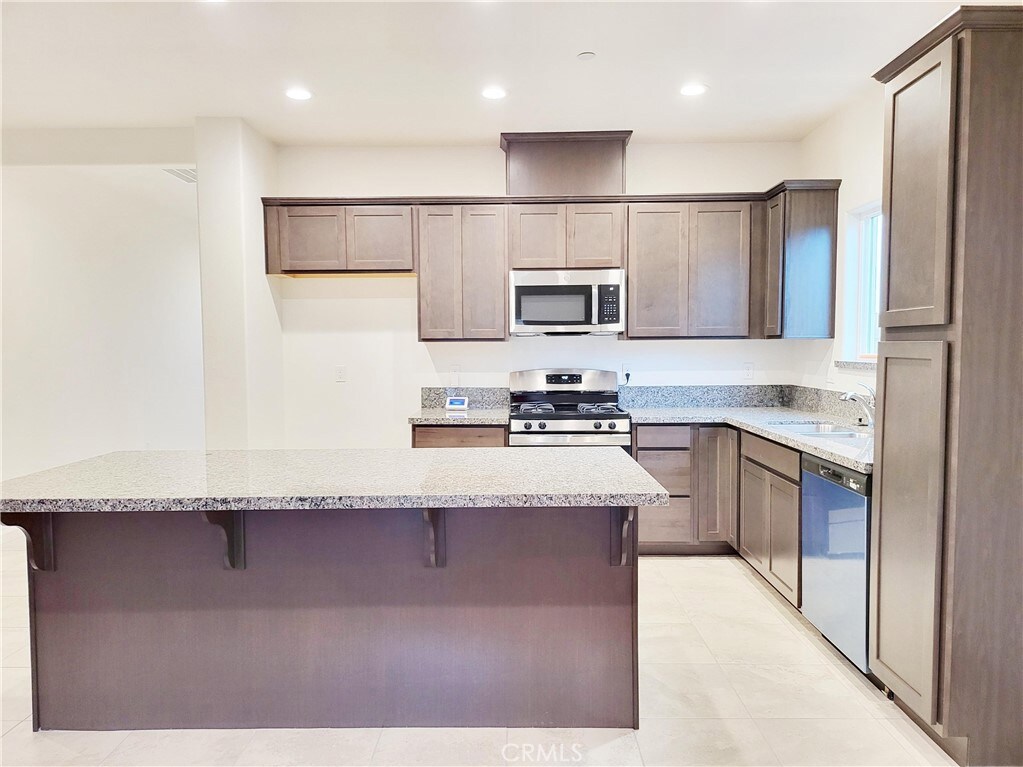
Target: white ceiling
[[411, 73]]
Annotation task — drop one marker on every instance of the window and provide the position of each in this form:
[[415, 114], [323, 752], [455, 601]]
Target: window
[[869, 294]]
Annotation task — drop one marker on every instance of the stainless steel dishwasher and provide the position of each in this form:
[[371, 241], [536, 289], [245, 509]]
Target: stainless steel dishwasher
[[835, 552]]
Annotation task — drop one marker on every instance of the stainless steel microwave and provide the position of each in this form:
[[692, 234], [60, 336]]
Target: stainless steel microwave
[[567, 301]]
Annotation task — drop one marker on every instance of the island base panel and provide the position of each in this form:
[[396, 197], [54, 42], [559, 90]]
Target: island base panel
[[335, 622]]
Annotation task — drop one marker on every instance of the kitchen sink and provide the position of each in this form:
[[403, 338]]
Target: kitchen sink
[[822, 429]]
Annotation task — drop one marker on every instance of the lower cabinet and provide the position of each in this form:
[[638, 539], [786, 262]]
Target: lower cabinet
[[458, 436], [769, 532], [697, 466]]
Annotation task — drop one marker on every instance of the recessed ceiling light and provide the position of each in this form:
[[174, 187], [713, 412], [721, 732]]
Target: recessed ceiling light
[[299, 94], [693, 89], [494, 92], [586, 55]]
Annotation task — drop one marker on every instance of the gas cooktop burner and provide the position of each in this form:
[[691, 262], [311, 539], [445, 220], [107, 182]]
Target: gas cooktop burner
[[536, 407], [598, 408]]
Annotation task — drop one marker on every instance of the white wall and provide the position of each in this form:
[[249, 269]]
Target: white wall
[[368, 324], [101, 323], [848, 146], [241, 325]]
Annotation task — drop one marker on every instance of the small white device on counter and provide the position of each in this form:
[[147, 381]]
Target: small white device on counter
[[457, 403]]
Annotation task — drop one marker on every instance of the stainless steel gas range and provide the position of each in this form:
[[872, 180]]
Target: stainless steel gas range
[[567, 407]]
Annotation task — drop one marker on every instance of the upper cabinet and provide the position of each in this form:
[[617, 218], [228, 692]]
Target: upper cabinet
[[311, 239], [559, 236], [462, 272], [379, 237], [335, 238], [689, 269], [757, 265], [917, 192], [658, 270], [794, 262], [719, 252]]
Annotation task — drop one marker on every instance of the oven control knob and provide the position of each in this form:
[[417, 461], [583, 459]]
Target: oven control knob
[[543, 425], [612, 425], [597, 425], [527, 426]]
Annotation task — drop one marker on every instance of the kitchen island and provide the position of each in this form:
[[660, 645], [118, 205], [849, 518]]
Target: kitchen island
[[334, 588]]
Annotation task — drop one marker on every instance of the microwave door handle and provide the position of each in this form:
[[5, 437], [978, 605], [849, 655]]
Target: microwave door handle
[[595, 306]]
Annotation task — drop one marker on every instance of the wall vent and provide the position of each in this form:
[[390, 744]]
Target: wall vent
[[187, 175]]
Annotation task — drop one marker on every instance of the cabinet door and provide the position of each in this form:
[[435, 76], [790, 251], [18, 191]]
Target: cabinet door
[[917, 192], [658, 270], [810, 252], [440, 272], [379, 237], [595, 235], [671, 468], [753, 514], [733, 512], [667, 524], [484, 272], [312, 238], [906, 520], [775, 247], [719, 253], [537, 236], [716, 485], [783, 537], [458, 436]]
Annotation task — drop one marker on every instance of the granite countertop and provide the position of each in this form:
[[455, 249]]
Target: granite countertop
[[438, 416], [337, 479], [756, 420]]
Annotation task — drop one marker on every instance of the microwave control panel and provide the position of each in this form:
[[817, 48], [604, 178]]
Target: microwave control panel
[[608, 304]]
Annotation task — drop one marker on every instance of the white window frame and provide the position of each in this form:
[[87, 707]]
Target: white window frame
[[867, 259]]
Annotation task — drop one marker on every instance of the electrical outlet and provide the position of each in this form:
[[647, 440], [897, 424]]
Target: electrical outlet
[[747, 371], [456, 375], [626, 374], [340, 373]]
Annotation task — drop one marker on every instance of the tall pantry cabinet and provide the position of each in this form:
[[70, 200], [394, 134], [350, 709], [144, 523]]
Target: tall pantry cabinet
[[946, 566]]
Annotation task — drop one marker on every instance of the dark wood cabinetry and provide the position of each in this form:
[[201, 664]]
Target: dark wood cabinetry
[[794, 261], [717, 476], [697, 465], [917, 196], [769, 508], [462, 272], [459, 436], [311, 239], [719, 264], [336, 238], [743, 265], [689, 269], [946, 571], [379, 237], [658, 270], [576, 236]]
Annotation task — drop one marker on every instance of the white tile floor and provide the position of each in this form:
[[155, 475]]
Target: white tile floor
[[729, 675]]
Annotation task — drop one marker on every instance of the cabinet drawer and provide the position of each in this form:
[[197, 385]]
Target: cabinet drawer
[[667, 524], [664, 436], [773, 456], [672, 468], [458, 436]]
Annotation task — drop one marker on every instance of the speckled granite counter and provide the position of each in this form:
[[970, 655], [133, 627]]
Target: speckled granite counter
[[438, 416], [760, 421], [337, 479], [757, 420]]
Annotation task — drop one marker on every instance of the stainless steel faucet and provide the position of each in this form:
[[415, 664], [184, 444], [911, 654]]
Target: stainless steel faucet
[[866, 401]]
